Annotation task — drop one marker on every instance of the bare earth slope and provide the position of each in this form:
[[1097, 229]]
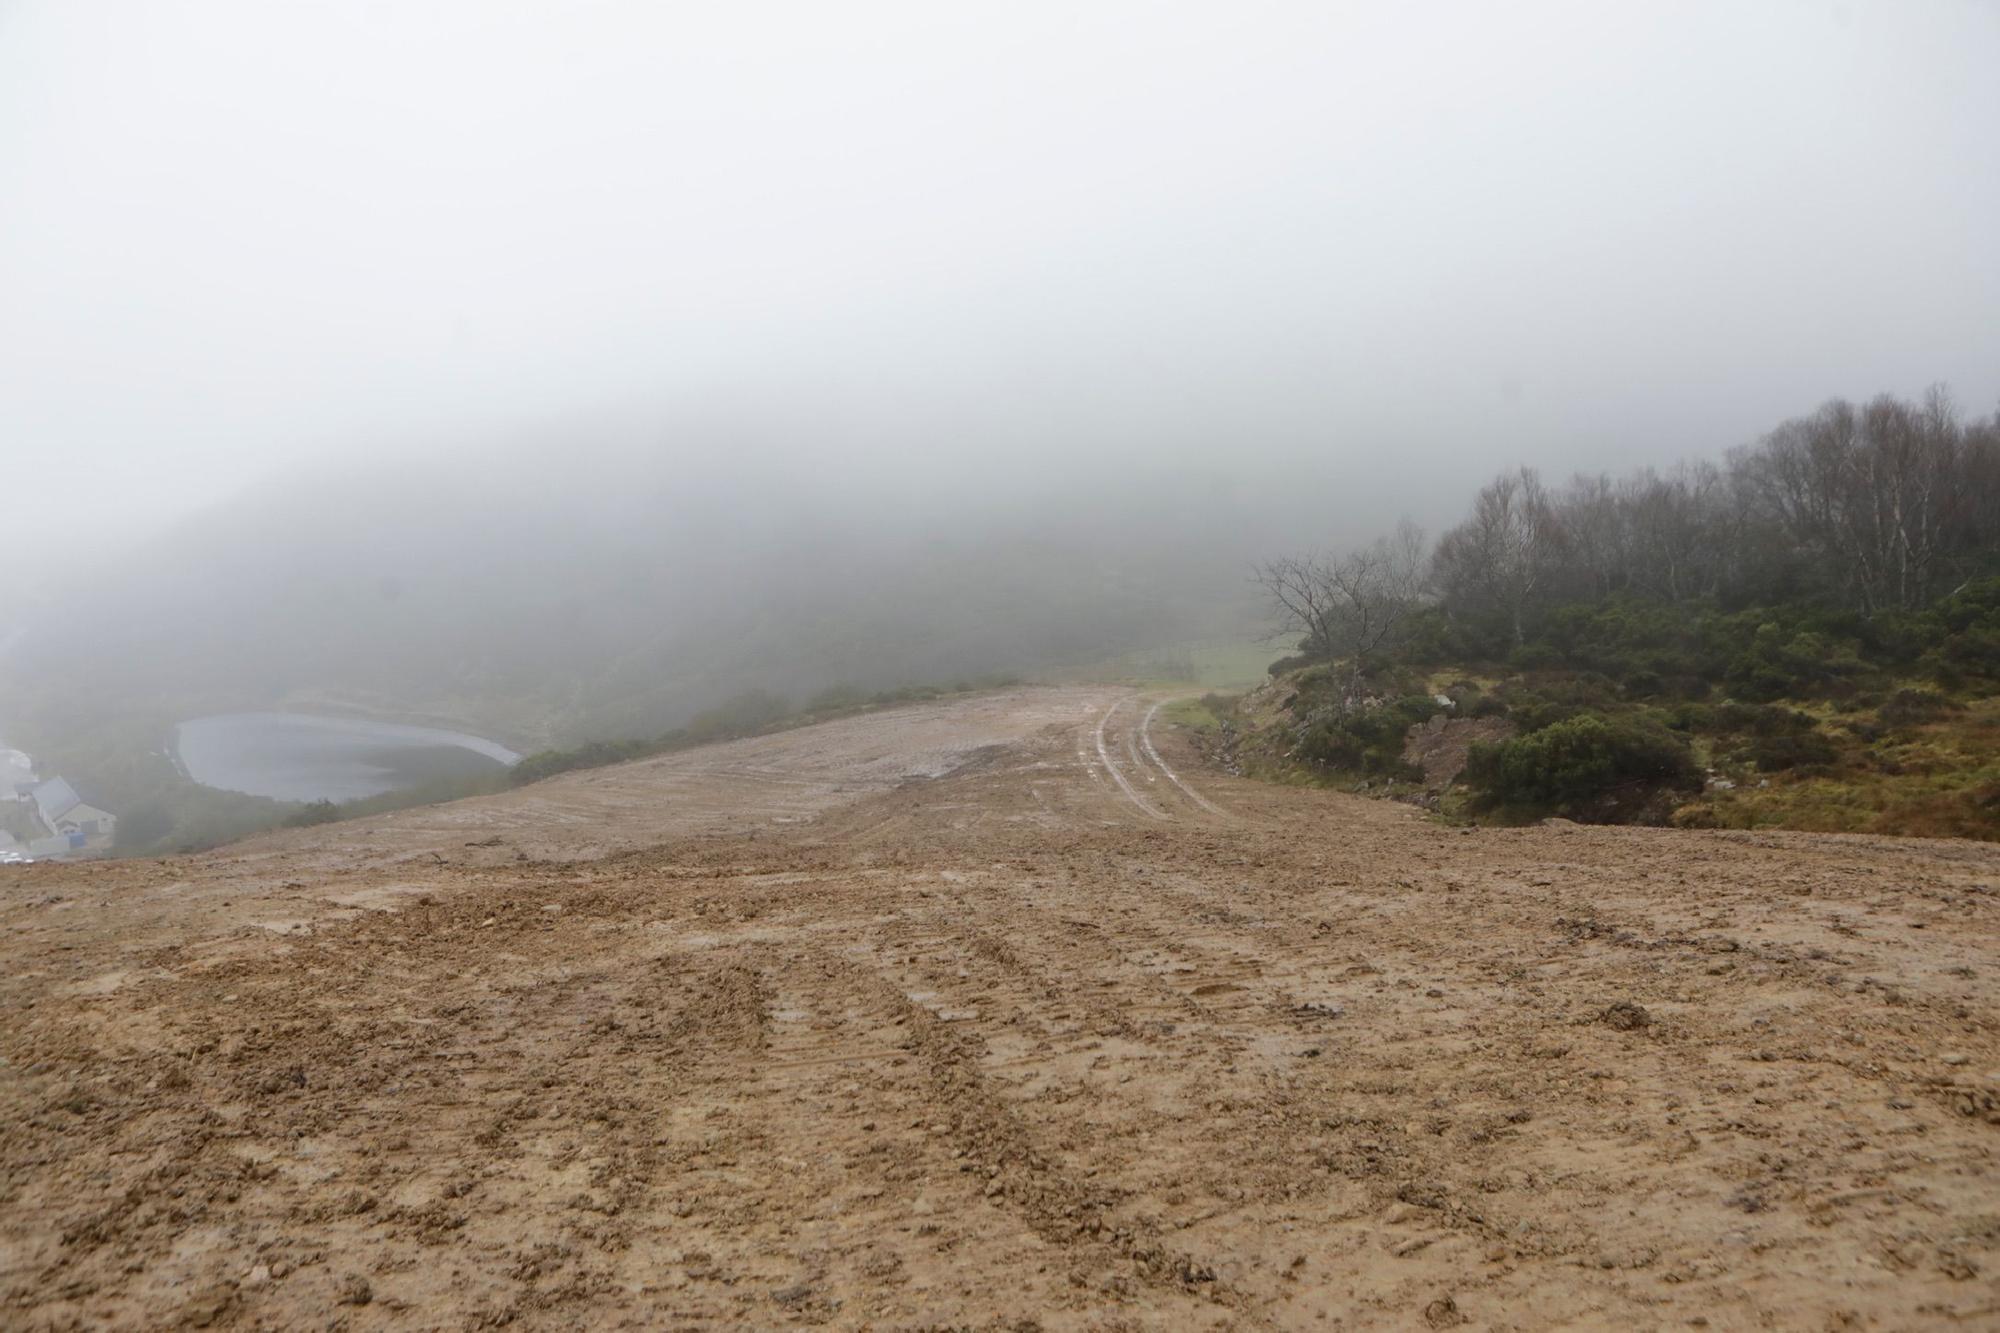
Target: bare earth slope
[[999, 1013]]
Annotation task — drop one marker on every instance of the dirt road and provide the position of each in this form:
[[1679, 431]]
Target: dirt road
[[999, 1013]]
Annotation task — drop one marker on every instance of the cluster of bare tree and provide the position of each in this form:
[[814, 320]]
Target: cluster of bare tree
[[1881, 507], [1353, 608]]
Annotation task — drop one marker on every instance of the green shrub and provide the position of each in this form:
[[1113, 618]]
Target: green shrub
[[591, 754], [1691, 718], [1644, 685], [1757, 719], [313, 813], [1580, 760], [1369, 741], [1464, 692], [1972, 652], [1774, 754], [1909, 708], [1540, 714], [1976, 606], [1432, 636], [1550, 697], [1779, 663], [1688, 687]]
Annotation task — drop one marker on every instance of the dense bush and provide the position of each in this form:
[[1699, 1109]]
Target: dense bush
[[1757, 720], [1973, 609], [1367, 741], [1626, 637], [1533, 713], [1659, 650], [1909, 708], [1583, 759], [1644, 685], [591, 754], [1545, 698], [1780, 663], [1433, 636], [1774, 754]]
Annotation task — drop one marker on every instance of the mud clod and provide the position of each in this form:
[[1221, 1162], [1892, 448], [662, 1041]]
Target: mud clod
[[1624, 1016], [1443, 1313]]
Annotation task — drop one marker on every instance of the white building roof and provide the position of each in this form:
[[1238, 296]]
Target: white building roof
[[55, 798]]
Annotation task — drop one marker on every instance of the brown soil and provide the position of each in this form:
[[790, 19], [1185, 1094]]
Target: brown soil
[[925, 1019], [1441, 746]]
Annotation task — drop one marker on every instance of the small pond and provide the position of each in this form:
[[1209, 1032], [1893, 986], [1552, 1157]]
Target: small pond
[[305, 757]]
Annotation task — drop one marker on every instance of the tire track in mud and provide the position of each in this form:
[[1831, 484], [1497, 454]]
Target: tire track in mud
[[1196, 940], [1156, 1031], [1222, 981], [859, 1118], [1117, 774], [1139, 766], [1435, 1173], [1146, 738], [1145, 760], [816, 1127], [908, 1066], [998, 1145], [663, 1030], [342, 1138], [1058, 1006], [1290, 1133], [1057, 1015], [1158, 947]]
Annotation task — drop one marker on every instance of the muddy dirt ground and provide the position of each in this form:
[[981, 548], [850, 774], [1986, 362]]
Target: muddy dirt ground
[[999, 1013]]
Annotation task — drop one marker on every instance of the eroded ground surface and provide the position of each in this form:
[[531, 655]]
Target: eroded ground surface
[[1000, 1013]]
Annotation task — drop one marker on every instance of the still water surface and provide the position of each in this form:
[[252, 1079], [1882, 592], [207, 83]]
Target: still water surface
[[303, 757]]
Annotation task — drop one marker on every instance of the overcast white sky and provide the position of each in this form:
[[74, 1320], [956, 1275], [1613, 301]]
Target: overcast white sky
[[234, 236]]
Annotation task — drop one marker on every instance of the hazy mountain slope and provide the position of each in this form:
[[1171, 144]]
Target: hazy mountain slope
[[550, 595]]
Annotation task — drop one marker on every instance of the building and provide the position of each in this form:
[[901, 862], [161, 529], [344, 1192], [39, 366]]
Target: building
[[70, 818]]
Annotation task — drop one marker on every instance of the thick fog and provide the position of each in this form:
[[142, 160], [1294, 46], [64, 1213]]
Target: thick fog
[[561, 367], [238, 235]]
